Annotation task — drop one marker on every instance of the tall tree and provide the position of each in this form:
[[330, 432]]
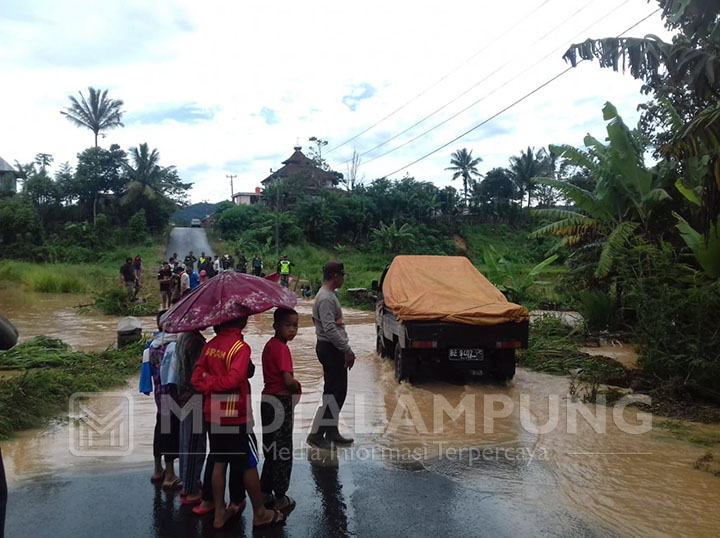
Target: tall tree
[[152, 187], [43, 160], [98, 173], [463, 164], [683, 73], [496, 187], [97, 112], [524, 167]]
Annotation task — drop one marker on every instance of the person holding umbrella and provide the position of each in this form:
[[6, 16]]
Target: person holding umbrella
[[221, 374]]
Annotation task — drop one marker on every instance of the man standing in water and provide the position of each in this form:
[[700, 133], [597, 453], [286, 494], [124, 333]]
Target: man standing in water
[[334, 353], [128, 278]]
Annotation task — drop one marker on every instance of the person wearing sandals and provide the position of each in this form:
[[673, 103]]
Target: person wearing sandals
[[192, 428], [276, 409], [221, 375], [158, 376]]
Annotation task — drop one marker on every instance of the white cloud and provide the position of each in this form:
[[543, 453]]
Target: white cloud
[[229, 87]]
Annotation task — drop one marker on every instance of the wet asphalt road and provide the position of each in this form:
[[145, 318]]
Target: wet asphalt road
[[352, 498], [183, 240]]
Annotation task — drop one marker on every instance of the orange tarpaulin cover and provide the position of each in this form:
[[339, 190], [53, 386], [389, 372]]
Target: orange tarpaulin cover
[[446, 288]]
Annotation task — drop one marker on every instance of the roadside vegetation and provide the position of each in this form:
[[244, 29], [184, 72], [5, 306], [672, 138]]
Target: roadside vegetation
[[45, 373]]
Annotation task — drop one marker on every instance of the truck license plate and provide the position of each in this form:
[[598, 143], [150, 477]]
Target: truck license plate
[[466, 354]]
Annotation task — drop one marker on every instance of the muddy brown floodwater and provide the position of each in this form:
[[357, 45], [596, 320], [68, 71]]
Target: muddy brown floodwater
[[528, 439]]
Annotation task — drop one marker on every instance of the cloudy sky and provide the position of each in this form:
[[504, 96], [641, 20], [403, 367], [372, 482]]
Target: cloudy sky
[[229, 87]]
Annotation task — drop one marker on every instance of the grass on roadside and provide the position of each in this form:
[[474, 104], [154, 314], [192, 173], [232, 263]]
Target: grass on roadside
[[554, 349], [76, 278], [52, 374]]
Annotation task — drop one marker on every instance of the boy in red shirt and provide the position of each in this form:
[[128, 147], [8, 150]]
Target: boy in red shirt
[[276, 410], [221, 375]]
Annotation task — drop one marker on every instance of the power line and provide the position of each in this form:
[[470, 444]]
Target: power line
[[510, 105], [457, 68], [503, 66], [521, 73]]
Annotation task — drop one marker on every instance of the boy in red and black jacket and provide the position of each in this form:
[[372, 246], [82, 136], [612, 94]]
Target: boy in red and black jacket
[[221, 375]]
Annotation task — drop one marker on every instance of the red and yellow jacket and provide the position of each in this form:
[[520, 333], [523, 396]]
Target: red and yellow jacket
[[221, 375]]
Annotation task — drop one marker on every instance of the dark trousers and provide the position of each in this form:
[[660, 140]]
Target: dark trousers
[[257, 271], [166, 439], [335, 389], [277, 444], [3, 496], [236, 484]]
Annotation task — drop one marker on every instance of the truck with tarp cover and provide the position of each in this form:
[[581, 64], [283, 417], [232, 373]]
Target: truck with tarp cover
[[441, 310]]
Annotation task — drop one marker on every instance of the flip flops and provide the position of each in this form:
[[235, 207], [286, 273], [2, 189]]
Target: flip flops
[[186, 500], [240, 507], [277, 519], [289, 506], [200, 511], [176, 484]]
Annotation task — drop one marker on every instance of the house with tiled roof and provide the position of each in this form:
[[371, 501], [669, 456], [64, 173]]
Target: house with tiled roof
[[298, 167], [8, 175]]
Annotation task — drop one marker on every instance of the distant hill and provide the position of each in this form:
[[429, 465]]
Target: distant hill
[[195, 211]]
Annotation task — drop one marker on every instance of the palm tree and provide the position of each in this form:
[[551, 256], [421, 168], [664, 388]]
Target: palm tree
[[464, 165], [524, 168], [145, 175], [97, 113]]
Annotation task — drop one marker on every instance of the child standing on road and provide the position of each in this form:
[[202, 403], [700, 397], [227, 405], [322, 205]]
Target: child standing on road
[[276, 410], [222, 375]]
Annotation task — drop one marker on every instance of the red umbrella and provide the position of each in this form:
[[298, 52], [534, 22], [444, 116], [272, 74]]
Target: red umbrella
[[225, 297]]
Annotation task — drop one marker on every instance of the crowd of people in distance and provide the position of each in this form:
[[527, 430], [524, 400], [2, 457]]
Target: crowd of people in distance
[[177, 277]]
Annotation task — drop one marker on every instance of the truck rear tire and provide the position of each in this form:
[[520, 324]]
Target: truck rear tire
[[380, 345], [383, 346], [504, 364], [405, 363]]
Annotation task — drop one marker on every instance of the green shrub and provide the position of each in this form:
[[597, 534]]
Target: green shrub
[[598, 308], [674, 310]]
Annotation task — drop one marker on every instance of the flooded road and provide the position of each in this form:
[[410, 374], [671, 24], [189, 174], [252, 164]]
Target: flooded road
[[526, 441]]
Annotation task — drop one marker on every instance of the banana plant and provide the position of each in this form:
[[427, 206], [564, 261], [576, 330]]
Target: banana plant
[[512, 282], [621, 203]]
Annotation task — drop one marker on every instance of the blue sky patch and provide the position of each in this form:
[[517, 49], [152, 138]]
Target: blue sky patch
[[358, 92], [185, 113], [269, 115]]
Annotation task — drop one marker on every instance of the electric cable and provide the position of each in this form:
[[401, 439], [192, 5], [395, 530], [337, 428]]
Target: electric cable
[[500, 68], [507, 82], [453, 71], [513, 104]]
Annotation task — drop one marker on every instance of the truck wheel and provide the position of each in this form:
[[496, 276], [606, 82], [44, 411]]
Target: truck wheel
[[404, 364], [504, 364], [380, 345]]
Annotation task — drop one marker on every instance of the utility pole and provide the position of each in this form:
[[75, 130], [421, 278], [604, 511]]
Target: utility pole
[[277, 215], [232, 190]]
